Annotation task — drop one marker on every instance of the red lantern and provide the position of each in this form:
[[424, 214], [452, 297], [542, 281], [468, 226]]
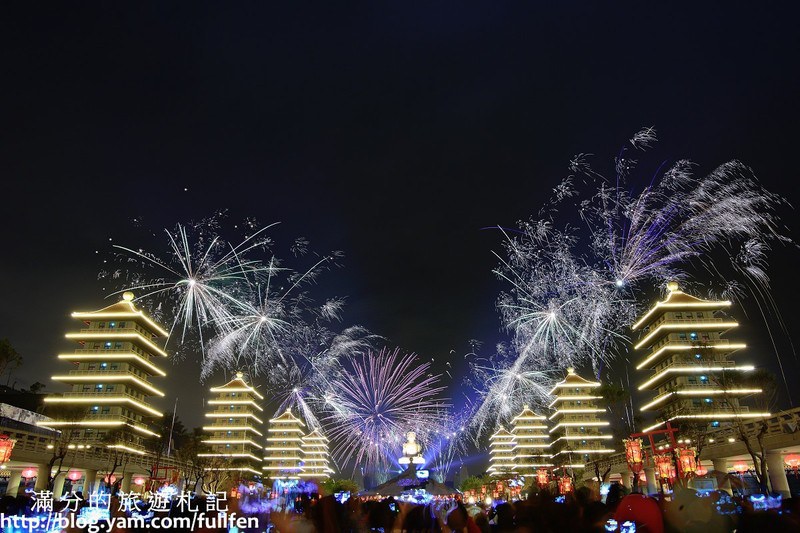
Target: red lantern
[[28, 473], [74, 475], [6, 446], [792, 461], [740, 467], [663, 466], [634, 454], [110, 480], [688, 462], [542, 476], [565, 484], [701, 471], [139, 481], [483, 489], [499, 487]]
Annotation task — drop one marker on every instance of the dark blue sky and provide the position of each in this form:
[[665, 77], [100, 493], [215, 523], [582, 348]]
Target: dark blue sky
[[392, 132]]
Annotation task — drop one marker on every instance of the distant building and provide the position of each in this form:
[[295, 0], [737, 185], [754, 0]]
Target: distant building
[[578, 430], [501, 454], [688, 359], [316, 464], [233, 432], [284, 452], [532, 442], [111, 378]]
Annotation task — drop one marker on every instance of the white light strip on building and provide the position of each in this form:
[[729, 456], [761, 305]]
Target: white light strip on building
[[699, 392], [232, 441], [234, 415], [93, 315], [576, 411], [103, 399], [578, 424], [236, 389], [687, 347], [685, 326], [96, 423], [251, 456], [232, 428], [692, 305], [689, 369], [116, 335], [567, 398], [234, 402], [126, 448], [112, 356], [92, 378]]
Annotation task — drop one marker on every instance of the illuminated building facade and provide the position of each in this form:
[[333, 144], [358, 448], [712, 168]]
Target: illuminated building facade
[[687, 356], [112, 377], [578, 431], [284, 451], [315, 456], [532, 442], [233, 432], [501, 454]]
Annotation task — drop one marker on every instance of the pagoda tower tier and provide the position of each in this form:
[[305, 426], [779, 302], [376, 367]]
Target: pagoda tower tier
[[501, 454], [284, 451], [315, 456], [532, 442], [687, 360], [579, 426], [111, 377], [233, 431]]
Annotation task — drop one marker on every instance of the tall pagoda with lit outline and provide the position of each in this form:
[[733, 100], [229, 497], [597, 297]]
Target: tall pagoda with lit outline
[[315, 456], [578, 429], [112, 374], [501, 454], [233, 433], [532, 442], [284, 451], [688, 360]]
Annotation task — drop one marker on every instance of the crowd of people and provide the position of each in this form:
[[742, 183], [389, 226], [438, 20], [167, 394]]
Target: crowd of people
[[580, 511]]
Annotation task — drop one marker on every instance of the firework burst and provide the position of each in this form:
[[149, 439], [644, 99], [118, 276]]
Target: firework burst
[[578, 273], [372, 403]]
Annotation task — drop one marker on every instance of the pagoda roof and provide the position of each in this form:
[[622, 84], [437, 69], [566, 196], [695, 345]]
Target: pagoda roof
[[287, 416], [315, 435], [573, 380], [677, 299], [527, 414], [502, 432], [237, 384], [122, 309]]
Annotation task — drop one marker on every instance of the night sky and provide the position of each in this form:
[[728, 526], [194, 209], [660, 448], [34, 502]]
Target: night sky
[[390, 131]]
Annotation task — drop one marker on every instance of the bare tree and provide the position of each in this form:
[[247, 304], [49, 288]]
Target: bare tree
[[63, 441]]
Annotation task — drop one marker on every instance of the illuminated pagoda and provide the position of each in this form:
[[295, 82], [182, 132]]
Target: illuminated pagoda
[[531, 450], [501, 454], [315, 456], [233, 432], [112, 373], [284, 452], [688, 361], [578, 427]]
